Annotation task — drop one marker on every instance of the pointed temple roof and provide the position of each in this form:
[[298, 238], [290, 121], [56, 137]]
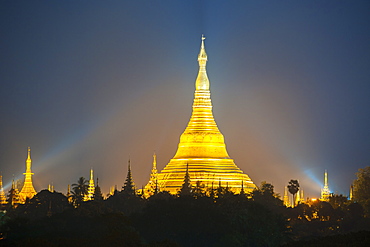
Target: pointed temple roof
[[129, 186], [27, 191], [202, 145], [150, 187], [91, 188]]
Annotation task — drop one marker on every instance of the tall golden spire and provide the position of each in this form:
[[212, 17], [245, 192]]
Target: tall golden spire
[[150, 187], [2, 193], [27, 191], [202, 145], [325, 192], [91, 189]]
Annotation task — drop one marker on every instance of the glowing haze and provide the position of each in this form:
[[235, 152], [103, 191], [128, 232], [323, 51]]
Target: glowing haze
[[94, 84]]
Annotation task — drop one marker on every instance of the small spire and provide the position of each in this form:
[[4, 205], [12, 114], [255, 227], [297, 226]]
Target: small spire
[[202, 82], [202, 54], [29, 153], [154, 161], [91, 188]]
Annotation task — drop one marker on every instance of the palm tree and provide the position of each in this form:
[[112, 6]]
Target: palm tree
[[293, 188], [79, 190]]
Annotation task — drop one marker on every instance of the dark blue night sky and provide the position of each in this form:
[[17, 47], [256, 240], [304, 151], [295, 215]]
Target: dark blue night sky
[[94, 83]]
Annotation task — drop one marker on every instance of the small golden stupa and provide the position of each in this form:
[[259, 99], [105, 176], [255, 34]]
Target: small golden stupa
[[27, 191]]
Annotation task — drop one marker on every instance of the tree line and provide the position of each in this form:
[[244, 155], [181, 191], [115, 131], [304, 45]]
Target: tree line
[[193, 217]]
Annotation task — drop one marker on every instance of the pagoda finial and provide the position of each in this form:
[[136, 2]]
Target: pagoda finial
[[202, 57], [154, 161], [29, 153], [202, 82]]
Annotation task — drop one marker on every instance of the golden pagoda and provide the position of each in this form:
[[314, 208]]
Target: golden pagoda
[[91, 188], [151, 187], [2, 193], [27, 190], [325, 192], [202, 147]]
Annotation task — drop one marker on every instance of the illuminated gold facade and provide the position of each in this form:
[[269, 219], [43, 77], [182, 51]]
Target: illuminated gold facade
[[91, 188], [202, 147], [325, 192], [2, 193], [151, 187], [27, 191]]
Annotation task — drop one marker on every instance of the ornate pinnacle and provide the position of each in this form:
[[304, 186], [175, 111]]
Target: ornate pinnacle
[[29, 153], [202, 54]]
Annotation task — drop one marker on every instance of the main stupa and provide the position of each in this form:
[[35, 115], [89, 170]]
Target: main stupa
[[202, 148]]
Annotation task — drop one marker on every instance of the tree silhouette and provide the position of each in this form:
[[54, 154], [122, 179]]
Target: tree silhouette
[[79, 190], [198, 190], [361, 189], [293, 188]]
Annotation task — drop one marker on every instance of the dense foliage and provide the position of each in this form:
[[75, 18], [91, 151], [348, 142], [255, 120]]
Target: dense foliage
[[361, 189], [198, 218]]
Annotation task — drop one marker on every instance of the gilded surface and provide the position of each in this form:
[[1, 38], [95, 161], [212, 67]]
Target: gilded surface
[[202, 146], [27, 191]]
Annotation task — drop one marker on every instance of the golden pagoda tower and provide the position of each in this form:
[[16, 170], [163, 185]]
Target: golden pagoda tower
[[27, 191], [325, 192], [2, 193], [91, 189], [151, 187], [202, 146]]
